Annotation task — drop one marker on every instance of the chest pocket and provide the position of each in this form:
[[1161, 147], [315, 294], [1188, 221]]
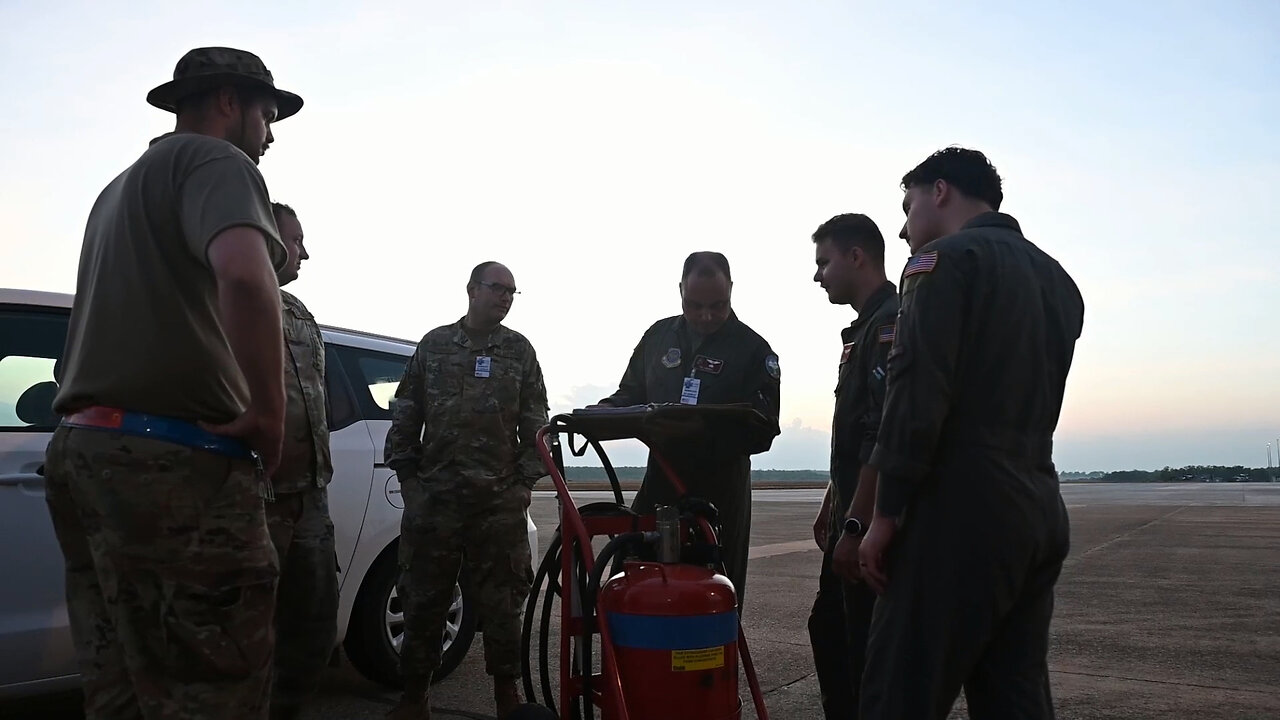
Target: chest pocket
[[304, 339], [499, 393], [442, 377]]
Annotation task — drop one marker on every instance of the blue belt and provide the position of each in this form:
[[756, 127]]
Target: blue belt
[[178, 432]]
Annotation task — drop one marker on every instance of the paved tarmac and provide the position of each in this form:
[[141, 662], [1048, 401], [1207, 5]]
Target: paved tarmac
[[1168, 606]]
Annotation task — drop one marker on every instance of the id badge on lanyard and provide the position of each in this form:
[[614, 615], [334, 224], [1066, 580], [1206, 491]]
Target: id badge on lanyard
[[689, 394]]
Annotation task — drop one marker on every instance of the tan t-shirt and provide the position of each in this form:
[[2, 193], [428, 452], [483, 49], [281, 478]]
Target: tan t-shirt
[[145, 333]]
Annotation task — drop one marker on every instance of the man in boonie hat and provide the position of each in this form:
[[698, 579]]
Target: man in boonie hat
[[206, 78], [172, 404]]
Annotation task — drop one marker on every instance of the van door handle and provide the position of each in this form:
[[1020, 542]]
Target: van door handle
[[20, 479]]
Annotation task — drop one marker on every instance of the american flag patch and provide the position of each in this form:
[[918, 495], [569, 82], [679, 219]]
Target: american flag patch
[[922, 263], [886, 333]]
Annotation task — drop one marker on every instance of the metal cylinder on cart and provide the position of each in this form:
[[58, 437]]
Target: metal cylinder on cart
[[674, 632]]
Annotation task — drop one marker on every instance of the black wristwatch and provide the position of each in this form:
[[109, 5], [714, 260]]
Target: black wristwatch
[[853, 526]]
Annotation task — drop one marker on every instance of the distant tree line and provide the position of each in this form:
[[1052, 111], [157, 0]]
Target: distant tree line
[[1190, 473], [626, 473]]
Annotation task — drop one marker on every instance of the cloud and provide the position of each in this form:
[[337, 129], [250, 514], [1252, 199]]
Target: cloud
[[578, 396], [797, 448]]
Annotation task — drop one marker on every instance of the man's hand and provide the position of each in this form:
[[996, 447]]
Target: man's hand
[[844, 559], [871, 553], [822, 523], [262, 431]]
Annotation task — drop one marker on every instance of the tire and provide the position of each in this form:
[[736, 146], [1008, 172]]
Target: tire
[[376, 629]]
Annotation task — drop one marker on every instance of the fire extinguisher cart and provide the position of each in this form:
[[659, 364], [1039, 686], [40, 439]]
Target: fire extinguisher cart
[[649, 626]]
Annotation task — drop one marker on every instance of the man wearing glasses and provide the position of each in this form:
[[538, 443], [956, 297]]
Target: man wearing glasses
[[477, 389]]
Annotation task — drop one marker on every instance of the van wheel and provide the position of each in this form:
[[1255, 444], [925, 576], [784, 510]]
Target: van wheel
[[376, 629]]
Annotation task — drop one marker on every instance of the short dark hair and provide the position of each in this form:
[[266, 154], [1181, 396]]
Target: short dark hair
[[707, 264], [967, 170], [478, 271], [851, 230], [279, 209]]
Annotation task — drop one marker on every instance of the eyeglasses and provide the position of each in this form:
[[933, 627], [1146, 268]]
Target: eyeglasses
[[500, 288]]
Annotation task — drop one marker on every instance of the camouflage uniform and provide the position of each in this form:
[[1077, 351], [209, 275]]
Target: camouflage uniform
[[301, 530], [466, 484], [171, 576], [170, 570]]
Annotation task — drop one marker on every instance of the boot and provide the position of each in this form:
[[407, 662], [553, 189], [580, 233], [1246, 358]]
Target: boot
[[413, 703], [507, 695]]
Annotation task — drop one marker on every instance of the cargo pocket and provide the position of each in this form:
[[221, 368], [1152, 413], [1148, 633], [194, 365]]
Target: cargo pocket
[[221, 628]]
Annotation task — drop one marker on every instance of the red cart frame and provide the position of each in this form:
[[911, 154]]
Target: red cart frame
[[577, 532]]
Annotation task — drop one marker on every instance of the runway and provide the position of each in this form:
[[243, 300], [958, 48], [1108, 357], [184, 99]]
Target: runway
[[1167, 607]]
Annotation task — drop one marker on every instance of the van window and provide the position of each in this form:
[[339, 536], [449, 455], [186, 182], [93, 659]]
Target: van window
[[31, 345], [374, 379], [340, 404]]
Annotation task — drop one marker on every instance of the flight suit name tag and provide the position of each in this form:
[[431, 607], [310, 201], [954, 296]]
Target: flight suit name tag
[[483, 363], [702, 363], [689, 395]]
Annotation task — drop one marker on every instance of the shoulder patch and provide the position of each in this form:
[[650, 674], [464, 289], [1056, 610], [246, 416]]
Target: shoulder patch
[[772, 367], [885, 333], [922, 263]]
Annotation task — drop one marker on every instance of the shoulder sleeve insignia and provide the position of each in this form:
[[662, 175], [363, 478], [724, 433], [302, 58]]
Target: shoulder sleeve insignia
[[886, 333], [922, 263], [772, 367]]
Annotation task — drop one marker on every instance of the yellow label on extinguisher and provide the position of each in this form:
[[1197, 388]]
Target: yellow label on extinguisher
[[700, 659]]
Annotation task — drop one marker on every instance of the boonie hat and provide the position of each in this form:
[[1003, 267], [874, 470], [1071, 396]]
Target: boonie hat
[[210, 67]]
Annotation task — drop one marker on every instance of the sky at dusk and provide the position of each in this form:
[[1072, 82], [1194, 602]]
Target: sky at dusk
[[591, 148]]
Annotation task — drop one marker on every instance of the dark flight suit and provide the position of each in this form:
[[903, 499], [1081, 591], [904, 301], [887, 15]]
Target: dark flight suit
[[841, 611], [985, 340], [731, 365]]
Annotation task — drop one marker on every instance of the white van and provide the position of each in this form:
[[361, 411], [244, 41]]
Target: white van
[[363, 370]]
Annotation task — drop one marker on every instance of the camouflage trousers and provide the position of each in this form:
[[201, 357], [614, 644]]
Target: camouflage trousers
[[306, 618], [171, 576], [447, 528]]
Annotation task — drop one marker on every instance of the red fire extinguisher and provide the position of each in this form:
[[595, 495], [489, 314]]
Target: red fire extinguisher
[[674, 630]]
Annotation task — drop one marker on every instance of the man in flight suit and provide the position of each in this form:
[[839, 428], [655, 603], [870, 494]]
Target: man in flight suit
[[301, 529], [706, 356], [462, 441], [849, 252], [173, 410], [970, 530]]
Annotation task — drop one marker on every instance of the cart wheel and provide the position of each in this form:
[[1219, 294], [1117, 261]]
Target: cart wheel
[[530, 711]]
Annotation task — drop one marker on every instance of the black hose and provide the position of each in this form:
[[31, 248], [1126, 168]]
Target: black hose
[[544, 640], [588, 585], [549, 560], [608, 468]]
